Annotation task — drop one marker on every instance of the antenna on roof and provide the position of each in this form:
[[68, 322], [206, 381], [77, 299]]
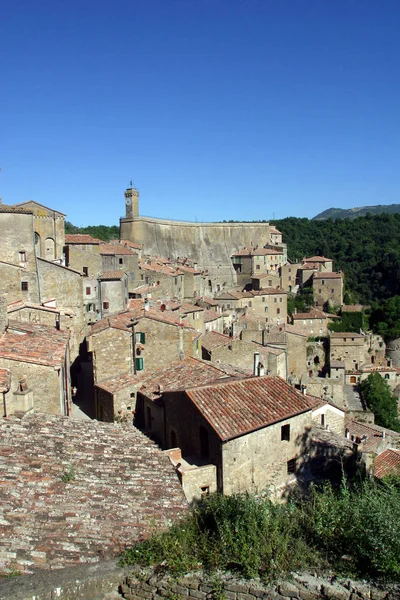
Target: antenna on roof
[[131, 183]]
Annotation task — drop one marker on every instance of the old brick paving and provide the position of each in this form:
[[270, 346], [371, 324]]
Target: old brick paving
[[79, 491]]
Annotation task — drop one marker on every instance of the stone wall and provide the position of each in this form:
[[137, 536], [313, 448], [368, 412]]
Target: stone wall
[[107, 581], [210, 245], [112, 353]]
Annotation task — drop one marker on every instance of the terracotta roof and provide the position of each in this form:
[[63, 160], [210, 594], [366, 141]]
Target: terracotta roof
[[115, 384], [5, 208], [5, 380], [183, 308], [188, 269], [322, 275], [295, 329], [123, 319], [21, 304], [352, 308], [257, 252], [234, 295], [208, 300], [317, 259], [347, 334], [309, 267], [110, 275], [115, 249], [212, 340], [122, 487], [81, 238], [34, 343], [130, 244], [387, 463], [159, 268], [314, 313], [337, 364], [374, 434], [238, 407], [211, 315], [179, 376], [273, 229], [268, 291]]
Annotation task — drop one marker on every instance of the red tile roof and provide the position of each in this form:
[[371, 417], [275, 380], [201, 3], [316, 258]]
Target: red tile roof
[[347, 334], [5, 208], [130, 244], [122, 488], [257, 252], [238, 407], [115, 249], [159, 268], [81, 238], [373, 434], [211, 315], [213, 339], [387, 463], [317, 259], [110, 275], [124, 319], [322, 275], [5, 380], [352, 308], [34, 343], [274, 230], [314, 313]]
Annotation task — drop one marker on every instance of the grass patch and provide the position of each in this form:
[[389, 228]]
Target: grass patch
[[256, 538]]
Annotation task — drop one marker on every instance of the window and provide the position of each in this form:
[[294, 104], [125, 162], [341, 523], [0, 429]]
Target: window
[[250, 303], [139, 364], [280, 299], [323, 420], [290, 278], [270, 282], [263, 298], [319, 291], [332, 291], [387, 376], [121, 261], [290, 270], [278, 311], [266, 309], [205, 490], [257, 267], [88, 291], [106, 305], [22, 256], [24, 286], [85, 271], [323, 282], [291, 466], [140, 337], [266, 319], [285, 433], [275, 300]]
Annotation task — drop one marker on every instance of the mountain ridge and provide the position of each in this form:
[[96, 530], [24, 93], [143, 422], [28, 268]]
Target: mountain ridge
[[358, 211]]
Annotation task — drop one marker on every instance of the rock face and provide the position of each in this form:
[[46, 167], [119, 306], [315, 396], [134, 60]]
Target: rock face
[[79, 491], [210, 245]]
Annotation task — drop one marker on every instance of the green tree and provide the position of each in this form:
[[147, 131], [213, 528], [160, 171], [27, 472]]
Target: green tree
[[385, 318], [378, 397]]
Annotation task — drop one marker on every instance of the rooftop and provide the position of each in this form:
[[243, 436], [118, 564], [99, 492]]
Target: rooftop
[[34, 343], [234, 408], [257, 252], [115, 249], [5, 380], [211, 315], [81, 238], [345, 334], [314, 313], [387, 463], [327, 275], [158, 267], [79, 491], [373, 435], [5, 208], [213, 339], [317, 259], [110, 275], [130, 244]]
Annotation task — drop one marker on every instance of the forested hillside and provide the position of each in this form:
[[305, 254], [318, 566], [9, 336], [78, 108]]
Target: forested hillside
[[367, 249], [102, 232], [359, 211]]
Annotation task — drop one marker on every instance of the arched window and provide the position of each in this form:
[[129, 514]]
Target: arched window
[[49, 249], [37, 243]]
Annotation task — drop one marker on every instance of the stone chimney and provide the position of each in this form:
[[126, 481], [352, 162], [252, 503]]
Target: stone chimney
[[256, 363], [3, 314]]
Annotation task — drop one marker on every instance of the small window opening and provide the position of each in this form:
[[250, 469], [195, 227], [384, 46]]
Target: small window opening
[[285, 433], [291, 466]]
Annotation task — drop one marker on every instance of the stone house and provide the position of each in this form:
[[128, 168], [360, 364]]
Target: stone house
[[117, 257], [193, 284], [79, 490], [169, 278], [36, 313], [113, 292], [275, 236], [258, 282], [82, 253], [329, 416], [17, 254], [390, 374], [61, 287], [37, 358], [263, 449], [193, 315], [255, 261], [271, 304], [328, 289], [314, 323], [294, 341], [141, 339], [348, 348], [49, 230], [213, 321]]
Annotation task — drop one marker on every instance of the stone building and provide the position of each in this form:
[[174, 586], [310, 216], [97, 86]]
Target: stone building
[[49, 230], [82, 253], [294, 341], [289, 277], [256, 261], [264, 449], [37, 358], [314, 323], [117, 257], [213, 321], [169, 278], [328, 289], [113, 286], [348, 348], [78, 491]]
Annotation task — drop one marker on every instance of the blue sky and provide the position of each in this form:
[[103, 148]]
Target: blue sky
[[217, 109]]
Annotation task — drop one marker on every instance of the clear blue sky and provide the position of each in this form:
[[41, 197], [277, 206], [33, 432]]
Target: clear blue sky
[[218, 109]]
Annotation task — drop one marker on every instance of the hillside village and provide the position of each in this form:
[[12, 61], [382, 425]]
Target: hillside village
[[134, 384]]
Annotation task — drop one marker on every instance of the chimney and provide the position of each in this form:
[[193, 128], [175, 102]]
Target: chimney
[[383, 435], [3, 314], [146, 304], [261, 370], [304, 389], [256, 363]]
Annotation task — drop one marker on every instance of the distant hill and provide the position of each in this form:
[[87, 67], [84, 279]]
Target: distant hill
[[360, 211]]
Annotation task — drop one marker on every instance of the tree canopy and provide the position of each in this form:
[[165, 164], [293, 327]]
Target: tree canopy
[[378, 397]]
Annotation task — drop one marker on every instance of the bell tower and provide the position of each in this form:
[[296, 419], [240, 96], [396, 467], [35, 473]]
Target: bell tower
[[132, 202]]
